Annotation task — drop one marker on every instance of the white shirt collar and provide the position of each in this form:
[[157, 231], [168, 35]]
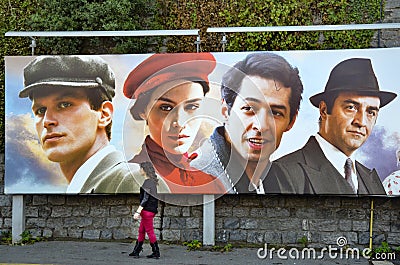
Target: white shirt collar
[[337, 157], [81, 175]]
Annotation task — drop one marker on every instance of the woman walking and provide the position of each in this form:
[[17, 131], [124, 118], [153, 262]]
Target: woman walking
[[147, 210]]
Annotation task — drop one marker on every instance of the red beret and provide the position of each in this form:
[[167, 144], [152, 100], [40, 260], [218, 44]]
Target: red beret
[[163, 67]]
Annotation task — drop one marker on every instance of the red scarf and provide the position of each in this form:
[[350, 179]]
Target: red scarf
[[177, 172]]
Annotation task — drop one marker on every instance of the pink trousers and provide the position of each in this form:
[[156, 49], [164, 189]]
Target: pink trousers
[[146, 226]]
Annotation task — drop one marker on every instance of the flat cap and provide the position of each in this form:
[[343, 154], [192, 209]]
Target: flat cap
[[161, 68], [68, 71]]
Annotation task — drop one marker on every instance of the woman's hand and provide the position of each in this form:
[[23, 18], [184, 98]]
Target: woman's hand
[[136, 216]]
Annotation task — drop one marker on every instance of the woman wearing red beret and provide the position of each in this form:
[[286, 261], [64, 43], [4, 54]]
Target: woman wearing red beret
[[168, 90]]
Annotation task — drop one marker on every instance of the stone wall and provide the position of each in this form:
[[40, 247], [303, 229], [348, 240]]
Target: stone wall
[[280, 220]]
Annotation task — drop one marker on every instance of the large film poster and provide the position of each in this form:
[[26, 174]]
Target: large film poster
[[290, 122]]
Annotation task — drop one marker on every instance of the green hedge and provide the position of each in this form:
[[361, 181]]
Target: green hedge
[[251, 13]]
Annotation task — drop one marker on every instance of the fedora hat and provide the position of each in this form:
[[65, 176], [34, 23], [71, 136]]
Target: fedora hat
[[353, 75], [60, 71]]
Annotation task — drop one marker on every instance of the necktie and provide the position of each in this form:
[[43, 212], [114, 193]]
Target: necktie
[[348, 167]]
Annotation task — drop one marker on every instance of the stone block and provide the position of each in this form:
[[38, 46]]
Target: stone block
[[121, 233], [47, 233], [231, 223], [345, 225], [39, 200], [258, 212], [98, 211], [177, 222], [238, 235], [36, 222], [77, 222], [56, 199], [305, 212], [172, 235], [91, 234], [186, 211], [360, 226], [324, 225], [222, 235], [172, 211], [72, 200], [106, 234], [277, 212], [120, 210], [291, 237], [255, 237], [5, 211], [60, 233], [74, 233], [55, 223], [395, 226], [393, 239], [31, 211], [61, 211], [240, 212], [248, 223], [192, 223], [44, 211], [271, 237], [113, 222], [5, 200], [80, 211], [189, 235]]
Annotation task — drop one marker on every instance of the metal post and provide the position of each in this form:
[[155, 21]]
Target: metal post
[[18, 217], [223, 41], [197, 42], [208, 220], [33, 45]]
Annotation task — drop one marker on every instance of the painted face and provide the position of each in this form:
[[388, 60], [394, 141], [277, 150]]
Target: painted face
[[259, 116], [66, 125], [350, 122], [171, 117]]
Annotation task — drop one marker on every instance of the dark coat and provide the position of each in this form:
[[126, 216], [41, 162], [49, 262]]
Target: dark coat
[[310, 172]]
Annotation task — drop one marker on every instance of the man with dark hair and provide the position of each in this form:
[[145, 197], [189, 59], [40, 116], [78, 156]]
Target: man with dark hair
[[71, 102], [348, 109], [261, 97]]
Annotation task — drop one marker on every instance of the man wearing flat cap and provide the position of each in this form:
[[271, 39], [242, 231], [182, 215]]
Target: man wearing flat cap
[[71, 102], [348, 109]]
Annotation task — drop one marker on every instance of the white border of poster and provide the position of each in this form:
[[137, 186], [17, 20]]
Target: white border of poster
[[29, 172]]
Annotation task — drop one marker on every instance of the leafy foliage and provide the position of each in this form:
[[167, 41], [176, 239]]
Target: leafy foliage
[[188, 14], [193, 245], [78, 15]]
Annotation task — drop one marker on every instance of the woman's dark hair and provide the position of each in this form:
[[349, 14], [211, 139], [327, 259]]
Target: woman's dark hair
[[143, 100], [148, 168], [265, 65]]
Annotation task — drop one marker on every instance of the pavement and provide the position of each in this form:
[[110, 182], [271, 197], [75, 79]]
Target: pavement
[[91, 252]]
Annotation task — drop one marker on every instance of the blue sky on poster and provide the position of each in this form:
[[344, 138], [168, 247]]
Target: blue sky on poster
[[314, 68]]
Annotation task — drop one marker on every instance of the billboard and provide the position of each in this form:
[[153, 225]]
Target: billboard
[[208, 123]]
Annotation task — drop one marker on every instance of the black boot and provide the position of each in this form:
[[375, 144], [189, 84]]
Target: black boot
[[136, 250], [156, 251]]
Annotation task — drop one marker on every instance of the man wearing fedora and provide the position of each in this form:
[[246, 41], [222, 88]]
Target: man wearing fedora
[[348, 109], [72, 107]]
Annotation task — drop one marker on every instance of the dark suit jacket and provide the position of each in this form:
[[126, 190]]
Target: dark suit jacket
[[310, 172]]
